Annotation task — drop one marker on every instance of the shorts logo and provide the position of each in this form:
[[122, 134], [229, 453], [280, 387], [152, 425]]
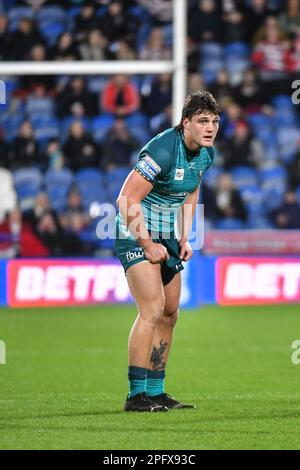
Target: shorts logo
[[179, 174], [132, 255], [200, 173]]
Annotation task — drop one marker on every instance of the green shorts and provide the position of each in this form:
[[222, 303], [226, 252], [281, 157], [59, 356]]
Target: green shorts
[[129, 253]]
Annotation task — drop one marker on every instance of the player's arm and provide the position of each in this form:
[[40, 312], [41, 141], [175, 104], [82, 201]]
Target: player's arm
[[133, 191], [186, 219]]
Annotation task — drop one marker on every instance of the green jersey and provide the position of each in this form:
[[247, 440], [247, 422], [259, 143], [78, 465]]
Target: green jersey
[[175, 172]]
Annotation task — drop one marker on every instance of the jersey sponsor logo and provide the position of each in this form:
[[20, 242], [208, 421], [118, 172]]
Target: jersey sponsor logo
[[148, 167], [179, 174], [134, 254]]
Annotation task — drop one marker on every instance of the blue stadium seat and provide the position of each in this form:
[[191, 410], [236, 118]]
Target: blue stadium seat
[[259, 120], [91, 184], [211, 50], [211, 177], [28, 182], [236, 49], [253, 200], [45, 128], [101, 125], [58, 184], [66, 123], [210, 68], [54, 14], [230, 224], [244, 177], [298, 194], [258, 222], [36, 107], [137, 119], [16, 14], [288, 140], [51, 31], [113, 181], [281, 102], [10, 124], [273, 184]]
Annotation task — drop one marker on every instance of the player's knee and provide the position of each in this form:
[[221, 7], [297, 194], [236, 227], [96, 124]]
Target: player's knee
[[170, 317], [153, 312]]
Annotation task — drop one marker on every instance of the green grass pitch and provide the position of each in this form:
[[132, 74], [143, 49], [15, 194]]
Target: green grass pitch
[[65, 380]]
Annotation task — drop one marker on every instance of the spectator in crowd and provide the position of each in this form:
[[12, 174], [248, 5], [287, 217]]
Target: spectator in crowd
[[5, 149], [256, 14], [80, 149], [24, 39], [204, 22], [242, 148], [86, 20], [10, 229], [294, 170], [222, 90], [289, 20], [54, 158], [293, 57], [123, 51], [43, 227], [65, 48], [41, 205], [120, 96], [195, 83], [155, 47], [38, 53], [227, 202], [232, 114], [269, 56], [52, 235], [118, 24], [119, 146], [161, 11], [5, 38], [161, 121], [24, 148], [160, 94], [193, 56], [249, 94], [75, 92], [288, 215], [94, 46], [234, 24], [73, 217]]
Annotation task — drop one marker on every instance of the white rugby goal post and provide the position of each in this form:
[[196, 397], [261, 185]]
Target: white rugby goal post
[[177, 66]]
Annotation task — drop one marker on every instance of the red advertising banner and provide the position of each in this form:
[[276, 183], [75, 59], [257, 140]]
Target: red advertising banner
[[247, 242], [34, 283], [254, 281]]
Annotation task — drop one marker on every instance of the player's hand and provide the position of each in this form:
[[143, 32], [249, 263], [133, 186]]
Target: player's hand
[[156, 253], [186, 251]]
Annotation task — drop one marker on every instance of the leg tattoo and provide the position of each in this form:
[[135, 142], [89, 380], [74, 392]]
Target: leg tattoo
[[157, 356]]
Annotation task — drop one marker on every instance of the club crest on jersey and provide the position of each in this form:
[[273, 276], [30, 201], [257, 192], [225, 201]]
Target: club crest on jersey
[[179, 174]]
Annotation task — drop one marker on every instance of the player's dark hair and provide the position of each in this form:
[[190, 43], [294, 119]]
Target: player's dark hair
[[198, 103]]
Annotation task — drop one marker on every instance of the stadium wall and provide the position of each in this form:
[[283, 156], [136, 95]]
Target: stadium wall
[[205, 280]]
